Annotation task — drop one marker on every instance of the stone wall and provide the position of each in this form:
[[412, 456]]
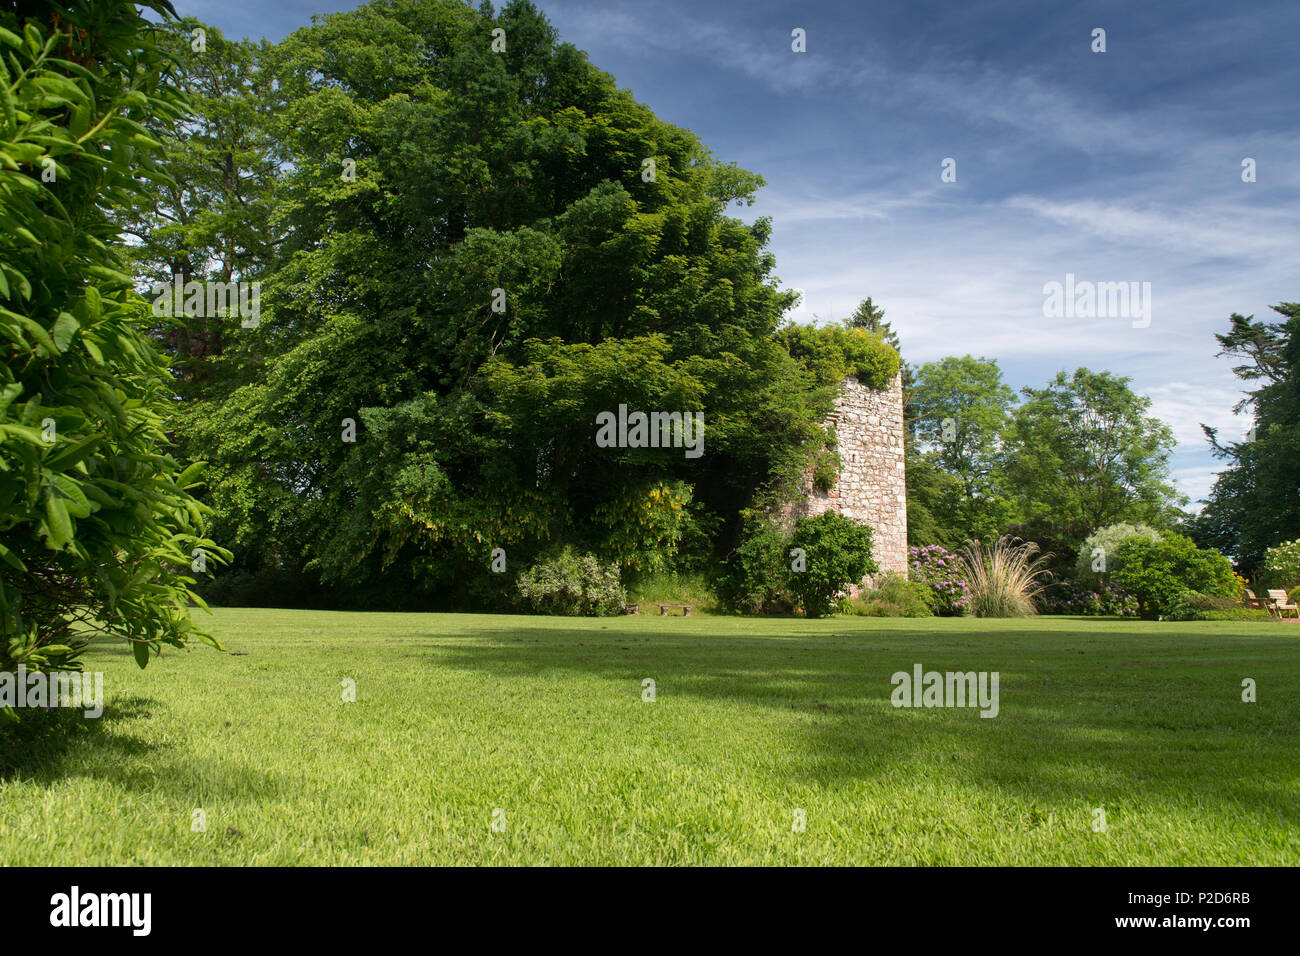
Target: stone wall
[[870, 485]]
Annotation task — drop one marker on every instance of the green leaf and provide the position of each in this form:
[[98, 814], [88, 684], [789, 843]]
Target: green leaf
[[23, 433], [65, 327], [11, 559], [35, 330], [141, 651], [69, 455], [190, 474], [8, 394], [59, 525]]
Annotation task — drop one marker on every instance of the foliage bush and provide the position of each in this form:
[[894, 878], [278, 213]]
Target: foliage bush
[[286, 588], [1105, 600], [755, 579], [838, 555], [941, 572], [1195, 606], [573, 584], [1157, 572], [894, 596], [1237, 614], [1108, 541], [1004, 578], [98, 530], [830, 353], [1282, 565]]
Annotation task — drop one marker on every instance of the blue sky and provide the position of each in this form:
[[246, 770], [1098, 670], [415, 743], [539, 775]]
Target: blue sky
[[1123, 166]]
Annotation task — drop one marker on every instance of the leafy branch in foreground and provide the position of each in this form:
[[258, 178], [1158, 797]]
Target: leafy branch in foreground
[[98, 529]]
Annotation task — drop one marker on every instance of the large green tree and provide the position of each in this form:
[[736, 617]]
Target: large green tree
[[1255, 501], [961, 409], [212, 219], [485, 244], [1082, 453]]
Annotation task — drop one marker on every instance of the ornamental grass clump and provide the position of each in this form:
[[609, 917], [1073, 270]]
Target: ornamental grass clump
[[1004, 579]]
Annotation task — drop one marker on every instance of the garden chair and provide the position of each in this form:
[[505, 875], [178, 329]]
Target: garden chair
[[1252, 601], [1279, 600]]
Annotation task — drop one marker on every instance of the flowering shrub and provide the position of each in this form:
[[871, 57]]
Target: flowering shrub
[[942, 571], [1104, 600], [1099, 555], [1282, 565], [573, 584]]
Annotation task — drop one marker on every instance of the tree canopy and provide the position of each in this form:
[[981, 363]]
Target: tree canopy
[[1083, 453], [1255, 501], [470, 244]]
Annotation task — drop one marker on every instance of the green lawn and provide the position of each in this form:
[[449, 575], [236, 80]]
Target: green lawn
[[458, 715]]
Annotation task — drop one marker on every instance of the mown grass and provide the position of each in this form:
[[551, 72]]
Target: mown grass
[[458, 715]]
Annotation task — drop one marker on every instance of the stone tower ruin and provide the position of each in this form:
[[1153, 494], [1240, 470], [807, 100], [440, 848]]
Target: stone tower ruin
[[870, 485]]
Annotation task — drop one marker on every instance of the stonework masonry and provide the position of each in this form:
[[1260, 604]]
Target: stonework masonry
[[870, 487]]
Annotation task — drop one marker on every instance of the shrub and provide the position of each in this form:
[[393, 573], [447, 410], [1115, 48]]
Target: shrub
[[832, 352], [1104, 600], [1282, 565], [1293, 596], [1189, 605], [838, 555], [1157, 572], [941, 572], [1195, 606], [97, 523], [755, 579], [1237, 614], [573, 584], [1004, 578], [894, 596], [1102, 547]]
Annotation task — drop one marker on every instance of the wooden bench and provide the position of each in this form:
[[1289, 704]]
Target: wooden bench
[[663, 609], [631, 608]]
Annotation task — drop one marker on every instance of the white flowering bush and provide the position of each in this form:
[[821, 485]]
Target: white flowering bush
[[1282, 565], [1101, 550], [573, 584]]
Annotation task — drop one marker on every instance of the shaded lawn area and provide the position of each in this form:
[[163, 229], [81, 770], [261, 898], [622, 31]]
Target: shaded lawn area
[[460, 715]]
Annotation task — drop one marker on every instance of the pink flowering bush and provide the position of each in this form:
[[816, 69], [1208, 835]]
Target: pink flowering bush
[[942, 571], [1104, 600]]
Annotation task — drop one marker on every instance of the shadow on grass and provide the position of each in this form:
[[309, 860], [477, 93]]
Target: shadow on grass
[[47, 746], [1102, 716], [38, 744]]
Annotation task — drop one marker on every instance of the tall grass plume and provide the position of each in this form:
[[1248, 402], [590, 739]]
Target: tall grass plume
[[1004, 578]]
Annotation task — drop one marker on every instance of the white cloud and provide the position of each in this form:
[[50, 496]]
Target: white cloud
[[1184, 406]]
